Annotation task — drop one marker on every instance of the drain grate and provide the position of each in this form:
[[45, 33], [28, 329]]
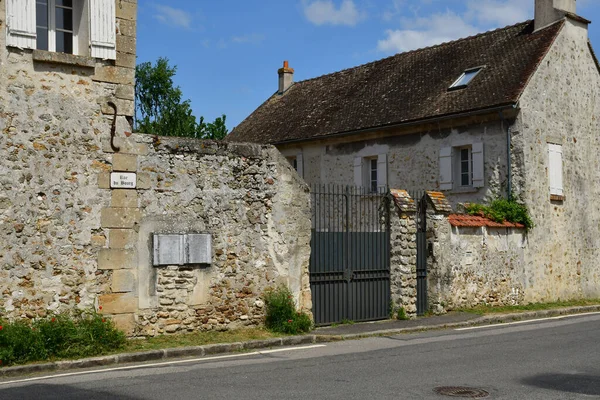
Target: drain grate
[[457, 391]]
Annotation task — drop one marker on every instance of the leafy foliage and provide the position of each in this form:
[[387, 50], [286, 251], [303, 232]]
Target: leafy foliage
[[401, 314], [281, 314], [59, 336], [161, 109], [501, 210]]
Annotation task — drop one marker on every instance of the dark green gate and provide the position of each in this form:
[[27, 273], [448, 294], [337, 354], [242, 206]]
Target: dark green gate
[[350, 254]]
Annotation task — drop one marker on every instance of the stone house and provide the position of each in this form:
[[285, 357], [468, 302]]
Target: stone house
[[163, 234], [510, 112]]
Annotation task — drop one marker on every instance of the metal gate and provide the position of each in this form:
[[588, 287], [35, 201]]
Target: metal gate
[[421, 219], [350, 254]]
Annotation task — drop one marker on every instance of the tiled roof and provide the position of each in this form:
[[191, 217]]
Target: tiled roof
[[407, 87], [403, 201], [440, 202], [475, 221]]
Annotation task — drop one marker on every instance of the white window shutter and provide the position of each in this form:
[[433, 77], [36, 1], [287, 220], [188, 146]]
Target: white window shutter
[[300, 165], [20, 24], [555, 172], [478, 165], [382, 180], [446, 182], [103, 36], [358, 172]]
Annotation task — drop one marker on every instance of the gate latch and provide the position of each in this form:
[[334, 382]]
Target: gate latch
[[348, 275]]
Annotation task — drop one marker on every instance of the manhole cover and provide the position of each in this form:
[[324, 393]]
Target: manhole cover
[[457, 391]]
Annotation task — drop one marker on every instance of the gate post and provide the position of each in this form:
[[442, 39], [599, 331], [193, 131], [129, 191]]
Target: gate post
[[403, 261]]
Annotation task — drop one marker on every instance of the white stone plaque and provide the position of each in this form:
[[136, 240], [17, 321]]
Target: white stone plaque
[[123, 180]]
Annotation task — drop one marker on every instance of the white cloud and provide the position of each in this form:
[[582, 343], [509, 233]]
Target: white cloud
[[253, 38], [479, 16], [173, 16], [499, 12], [424, 32], [323, 12]]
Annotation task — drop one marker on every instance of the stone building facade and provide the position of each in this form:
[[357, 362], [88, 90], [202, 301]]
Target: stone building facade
[[53, 118], [506, 113]]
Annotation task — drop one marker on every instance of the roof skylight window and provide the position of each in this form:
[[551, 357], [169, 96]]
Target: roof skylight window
[[466, 78]]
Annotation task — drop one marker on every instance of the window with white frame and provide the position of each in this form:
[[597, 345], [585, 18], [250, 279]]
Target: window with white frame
[[55, 23], [555, 171], [465, 166], [462, 167], [80, 27], [293, 162], [297, 162], [370, 172]]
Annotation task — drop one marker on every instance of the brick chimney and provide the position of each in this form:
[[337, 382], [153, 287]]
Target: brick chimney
[[550, 11], [286, 77]]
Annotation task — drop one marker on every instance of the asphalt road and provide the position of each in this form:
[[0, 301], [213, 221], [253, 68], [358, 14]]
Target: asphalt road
[[553, 359]]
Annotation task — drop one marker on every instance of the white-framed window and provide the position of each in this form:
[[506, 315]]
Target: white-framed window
[[55, 25], [465, 78], [80, 27], [465, 166], [370, 172], [462, 167], [555, 171], [297, 162]]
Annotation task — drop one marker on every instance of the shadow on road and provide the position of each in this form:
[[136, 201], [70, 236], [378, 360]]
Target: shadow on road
[[62, 392], [572, 383]]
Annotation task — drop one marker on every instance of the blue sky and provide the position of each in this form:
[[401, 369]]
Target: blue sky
[[228, 51]]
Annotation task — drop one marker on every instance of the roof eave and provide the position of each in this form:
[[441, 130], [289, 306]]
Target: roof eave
[[494, 109]]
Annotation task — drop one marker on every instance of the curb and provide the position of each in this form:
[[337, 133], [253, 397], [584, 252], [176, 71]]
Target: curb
[[224, 348]]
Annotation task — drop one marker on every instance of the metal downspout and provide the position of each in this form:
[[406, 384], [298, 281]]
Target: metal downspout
[[508, 156]]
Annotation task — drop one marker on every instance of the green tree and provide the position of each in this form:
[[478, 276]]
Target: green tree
[[160, 109]]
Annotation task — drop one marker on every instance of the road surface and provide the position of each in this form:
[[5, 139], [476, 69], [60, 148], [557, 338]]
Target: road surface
[[549, 359]]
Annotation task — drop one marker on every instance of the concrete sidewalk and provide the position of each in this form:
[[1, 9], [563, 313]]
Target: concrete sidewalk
[[320, 335]]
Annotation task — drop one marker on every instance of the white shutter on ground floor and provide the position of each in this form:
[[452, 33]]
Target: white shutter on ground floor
[[446, 181], [478, 165]]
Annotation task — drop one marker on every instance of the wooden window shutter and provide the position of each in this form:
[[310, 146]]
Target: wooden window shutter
[[20, 24], [478, 165], [103, 36], [382, 180], [300, 165], [555, 173], [446, 181], [358, 172]]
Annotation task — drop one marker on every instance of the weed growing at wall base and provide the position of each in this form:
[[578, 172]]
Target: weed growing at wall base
[[86, 334], [281, 315]]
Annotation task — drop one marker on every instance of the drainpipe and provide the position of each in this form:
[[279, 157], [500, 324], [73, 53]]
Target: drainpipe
[[508, 156]]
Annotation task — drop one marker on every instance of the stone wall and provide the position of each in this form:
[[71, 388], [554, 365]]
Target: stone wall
[[52, 131], [561, 105], [247, 197], [472, 266]]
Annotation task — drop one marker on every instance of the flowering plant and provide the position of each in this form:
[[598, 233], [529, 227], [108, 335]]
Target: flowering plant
[[281, 315]]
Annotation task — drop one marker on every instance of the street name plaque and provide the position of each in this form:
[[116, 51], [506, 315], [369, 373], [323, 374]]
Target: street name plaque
[[123, 180]]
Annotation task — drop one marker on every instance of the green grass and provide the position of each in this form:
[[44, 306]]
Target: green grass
[[197, 339], [529, 307]]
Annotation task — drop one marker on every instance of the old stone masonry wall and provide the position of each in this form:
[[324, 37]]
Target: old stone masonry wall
[[246, 197], [52, 128]]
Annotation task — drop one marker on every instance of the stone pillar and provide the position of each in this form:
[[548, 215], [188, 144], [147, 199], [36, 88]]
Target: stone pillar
[[119, 298], [438, 238], [403, 262]]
